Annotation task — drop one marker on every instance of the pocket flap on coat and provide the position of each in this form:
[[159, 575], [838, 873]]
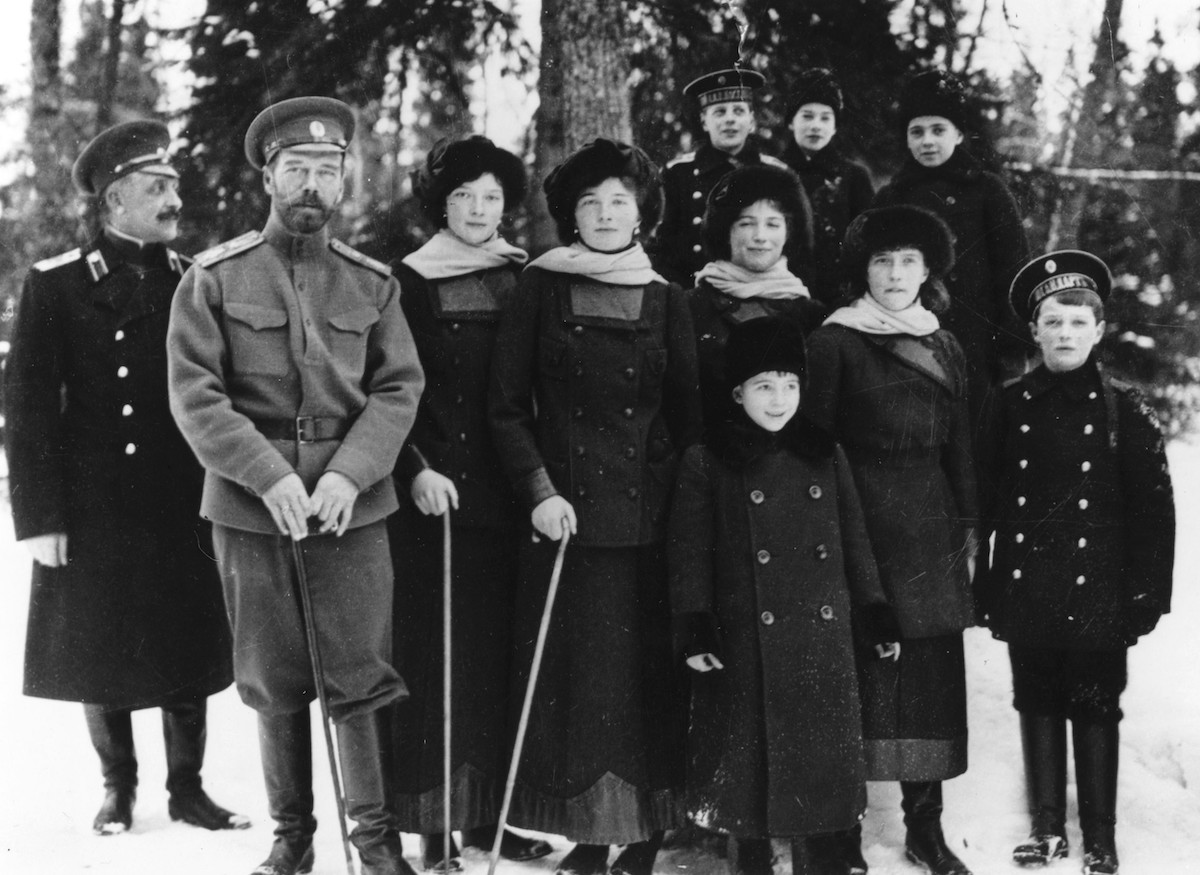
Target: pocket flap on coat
[[357, 321], [257, 317]]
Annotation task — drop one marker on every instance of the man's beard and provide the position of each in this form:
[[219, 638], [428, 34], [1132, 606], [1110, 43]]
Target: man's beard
[[305, 215]]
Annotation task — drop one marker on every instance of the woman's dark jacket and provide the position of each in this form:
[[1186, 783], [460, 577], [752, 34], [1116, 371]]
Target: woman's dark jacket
[[1084, 516], [897, 405], [767, 552], [594, 395], [838, 190]]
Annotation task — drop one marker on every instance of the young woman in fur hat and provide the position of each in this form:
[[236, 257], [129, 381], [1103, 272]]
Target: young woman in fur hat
[[890, 383], [454, 289], [605, 346], [751, 215], [838, 189]]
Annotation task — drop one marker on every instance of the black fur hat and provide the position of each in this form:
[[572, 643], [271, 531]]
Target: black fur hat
[[816, 85], [934, 92], [596, 161], [745, 187], [450, 163], [770, 343], [897, 227]]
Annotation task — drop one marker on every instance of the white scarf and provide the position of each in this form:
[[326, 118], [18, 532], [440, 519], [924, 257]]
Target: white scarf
[[868, 317], [447, 255], [738, 282], [629, 267]]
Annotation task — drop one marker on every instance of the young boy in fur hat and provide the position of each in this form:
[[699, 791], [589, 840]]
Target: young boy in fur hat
[[768, 554], [1084, 522]]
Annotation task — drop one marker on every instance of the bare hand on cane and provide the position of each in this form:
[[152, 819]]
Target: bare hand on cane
[[289, 505], [433, 493], [552, 517]]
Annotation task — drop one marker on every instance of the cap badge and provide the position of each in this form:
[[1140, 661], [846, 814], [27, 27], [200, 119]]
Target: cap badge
[[721, 80], [316, 128], [1051, 266]]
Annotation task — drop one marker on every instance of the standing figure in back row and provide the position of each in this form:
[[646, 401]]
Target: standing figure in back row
[[726, 100], [125, 611]]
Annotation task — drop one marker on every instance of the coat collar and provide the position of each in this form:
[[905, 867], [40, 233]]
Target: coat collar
[[709, 157], [1077, 385], [827, 163], [961, 167], [295, 246], [113, 264]]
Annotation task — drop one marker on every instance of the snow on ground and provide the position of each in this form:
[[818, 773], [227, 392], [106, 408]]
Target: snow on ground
[[50, 784]]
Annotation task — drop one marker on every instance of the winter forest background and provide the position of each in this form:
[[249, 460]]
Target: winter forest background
[[1111, 164]]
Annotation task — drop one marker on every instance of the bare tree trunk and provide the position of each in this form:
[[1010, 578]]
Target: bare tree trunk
[[112, 63], [46, 130], [583, 87]]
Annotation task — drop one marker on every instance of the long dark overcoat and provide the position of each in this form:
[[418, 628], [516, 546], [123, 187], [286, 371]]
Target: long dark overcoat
[[136, 618], [838, 190], [454, 322], [774, 551], [1084, 516]]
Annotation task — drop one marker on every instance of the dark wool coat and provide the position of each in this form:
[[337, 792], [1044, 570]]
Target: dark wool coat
[[772, 552], [1084, 516], [838, 190], [714, 314], [454, 322], [136, 618], [897, 405], [989, 246], [617, 400], [678, 247]]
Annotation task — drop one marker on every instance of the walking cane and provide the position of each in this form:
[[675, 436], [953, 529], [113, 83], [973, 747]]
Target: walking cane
[[314, 655], [527, 705], [446, 838]]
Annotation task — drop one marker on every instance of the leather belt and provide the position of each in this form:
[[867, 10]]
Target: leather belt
[[304, 429]]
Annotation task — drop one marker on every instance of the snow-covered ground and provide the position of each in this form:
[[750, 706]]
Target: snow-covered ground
[[50, 784]]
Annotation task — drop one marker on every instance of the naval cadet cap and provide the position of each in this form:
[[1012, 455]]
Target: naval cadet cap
[[724, 86], [1065, 270], [121, 150], [298, 121]]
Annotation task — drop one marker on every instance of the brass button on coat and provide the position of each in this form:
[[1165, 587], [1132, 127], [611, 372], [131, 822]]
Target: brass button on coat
[[763, 557], [767, 618], [756, 496], [814, 491]]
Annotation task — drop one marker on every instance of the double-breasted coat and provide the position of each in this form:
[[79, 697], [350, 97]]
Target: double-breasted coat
[[678, 250], [135, 618], [771, 552], [1084, 517], [838, 190], [594, 397], [454, 322]]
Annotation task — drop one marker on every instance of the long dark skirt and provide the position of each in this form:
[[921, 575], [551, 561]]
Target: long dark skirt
[[604, 756], [915, 711], [483, 568]]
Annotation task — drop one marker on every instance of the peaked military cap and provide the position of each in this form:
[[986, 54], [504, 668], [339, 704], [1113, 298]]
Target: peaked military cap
[[724, 86], [1053, 273], [299, 121], [121, 150]]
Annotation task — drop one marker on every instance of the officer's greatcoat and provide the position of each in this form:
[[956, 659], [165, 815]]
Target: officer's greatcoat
[[135, 619]]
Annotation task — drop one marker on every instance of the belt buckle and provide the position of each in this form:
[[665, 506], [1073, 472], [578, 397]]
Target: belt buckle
[[306, 429]]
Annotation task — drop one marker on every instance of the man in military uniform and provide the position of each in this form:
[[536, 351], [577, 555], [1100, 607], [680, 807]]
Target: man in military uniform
[[125, 610], [295, 379], [727, 117]]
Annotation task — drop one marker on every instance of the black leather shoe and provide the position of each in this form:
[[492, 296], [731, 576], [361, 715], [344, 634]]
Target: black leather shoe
[[1038, 850], [1100, 862], [286, 859], [513, 847], [116, 814], [584, 860], [432, 851], [198, 810]]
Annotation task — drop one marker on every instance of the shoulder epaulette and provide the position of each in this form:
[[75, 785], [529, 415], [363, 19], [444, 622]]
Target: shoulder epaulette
[[686, 156], [358, 258], [58, 260], [229, 248], [772, 161], [178, 261]]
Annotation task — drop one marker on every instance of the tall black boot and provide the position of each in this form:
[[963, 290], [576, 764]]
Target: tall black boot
[[924, 843], [637, 858], [1044, 744], [184, 734], [360, 748], [285, 741], [112, 737], [847, 848], [753, 856], [1096, 757], [584, 859], [433, 852]]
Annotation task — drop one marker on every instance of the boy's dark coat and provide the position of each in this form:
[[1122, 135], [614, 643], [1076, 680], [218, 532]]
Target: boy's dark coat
[[1084, 515], [773, 550]]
